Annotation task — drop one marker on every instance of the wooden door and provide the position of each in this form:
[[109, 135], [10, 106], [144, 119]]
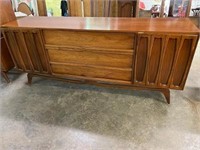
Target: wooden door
[[27, 50], [126, 8]]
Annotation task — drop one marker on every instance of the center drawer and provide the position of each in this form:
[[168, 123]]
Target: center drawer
[[89, 39], [92, 57]]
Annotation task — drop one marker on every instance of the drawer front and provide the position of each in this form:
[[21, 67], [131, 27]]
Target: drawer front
[[92, 71], [89, 39], [91, 58]]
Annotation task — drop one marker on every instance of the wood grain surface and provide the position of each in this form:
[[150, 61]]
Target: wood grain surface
[[169, 25]]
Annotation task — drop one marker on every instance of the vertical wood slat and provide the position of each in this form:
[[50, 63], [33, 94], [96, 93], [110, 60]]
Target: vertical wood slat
[[26, 50], [41, 51], [9, 48], [162, 8], [35, 52], [91, 8], [75, 7], [23, 49], [162, 60], [175, 62], [15, 50], [147, 58], [139, 56], [87, 6], [188, 63], [49, 70], [137, 9], [188, 8], [168, 59], [154, 60], [163, 39], [192, 51], [107, 6], [133, 78]]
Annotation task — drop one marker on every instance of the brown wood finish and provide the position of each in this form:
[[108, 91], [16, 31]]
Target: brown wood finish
[[109, 59], [75, 8], [6, 15], [156, 55], [42, 10], [169, 51], [92, 71], [6, 12], [112, 24], [141, 58], [6, 62], [27, 49], [126, 8], [89, 39]]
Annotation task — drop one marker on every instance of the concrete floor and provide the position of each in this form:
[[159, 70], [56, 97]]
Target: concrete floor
[[54, 115]]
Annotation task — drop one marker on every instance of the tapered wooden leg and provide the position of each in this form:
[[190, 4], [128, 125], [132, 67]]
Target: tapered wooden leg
[[166, 93], [29, 76], [5, 76]]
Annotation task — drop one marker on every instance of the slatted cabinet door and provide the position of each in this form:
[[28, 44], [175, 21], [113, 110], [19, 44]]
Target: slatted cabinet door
[[163, 60], [27, 49]]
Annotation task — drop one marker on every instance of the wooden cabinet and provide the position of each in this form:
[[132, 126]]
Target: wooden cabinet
[[152, 54]]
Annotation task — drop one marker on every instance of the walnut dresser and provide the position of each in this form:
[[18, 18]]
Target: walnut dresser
[[151, 54]]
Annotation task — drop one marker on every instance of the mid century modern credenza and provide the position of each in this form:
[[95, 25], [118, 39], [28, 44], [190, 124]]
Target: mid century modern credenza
[[154, 54]]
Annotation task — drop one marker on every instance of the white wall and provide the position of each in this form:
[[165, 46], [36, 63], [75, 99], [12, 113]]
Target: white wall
[[150, 3], [195, 4]]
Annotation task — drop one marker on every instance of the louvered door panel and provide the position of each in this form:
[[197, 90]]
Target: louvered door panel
[[163, 60], [27, 49]]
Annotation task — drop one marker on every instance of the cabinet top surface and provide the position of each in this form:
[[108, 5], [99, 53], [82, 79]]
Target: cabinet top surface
[[172, 25]]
